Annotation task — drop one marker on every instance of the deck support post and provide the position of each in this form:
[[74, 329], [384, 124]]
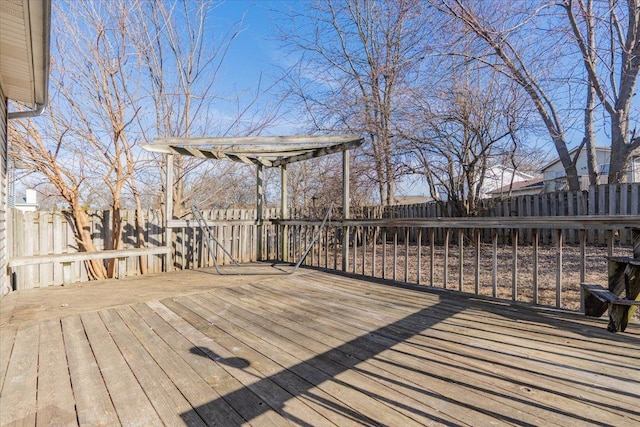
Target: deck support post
[[259, 209], [168, 211], [345, 209], [284, 214]]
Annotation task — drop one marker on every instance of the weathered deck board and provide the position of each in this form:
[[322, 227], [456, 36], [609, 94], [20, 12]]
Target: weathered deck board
[[458, 382], [254, 402], [406, 363], [161, 391], [307, 367], [185, 369], [322, 329], [309, 349], [281, 368], [7, 336], [336, 363], [56, 405], [18, 402], [93, 403], [241, 364], [129, 400], [474, 368]]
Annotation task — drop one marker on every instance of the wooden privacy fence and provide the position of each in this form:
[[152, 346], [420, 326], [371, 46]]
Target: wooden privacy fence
[[540, 273], [620, 199], [615, 199], [235, 229], [40, 235]]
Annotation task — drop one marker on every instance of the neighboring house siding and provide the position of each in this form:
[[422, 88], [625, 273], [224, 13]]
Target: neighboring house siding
[[4, 282], [554, 173]]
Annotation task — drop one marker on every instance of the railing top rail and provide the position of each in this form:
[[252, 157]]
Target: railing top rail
[[85, 256], [612, 222]]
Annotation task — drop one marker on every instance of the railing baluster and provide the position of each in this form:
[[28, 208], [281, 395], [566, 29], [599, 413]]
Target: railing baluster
[[559, 269], [345, 249], [610, 242], [432, 243], [535, 237], [384, 253], [583, 255], [336, 240], [356, 232], [461, 259], [514, 265], [477, 236], [395, 253], [364, 250], [374, 250], [494, 263], [441, 231], [419, 256], [326, 247], [445, 274], [406, 254]]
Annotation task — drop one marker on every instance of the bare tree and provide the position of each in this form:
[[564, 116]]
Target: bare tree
[[123, 63], [608, 35], [462, 133], [355, 60], [40, 151], [181, 56], [316, 183], [500, 26]]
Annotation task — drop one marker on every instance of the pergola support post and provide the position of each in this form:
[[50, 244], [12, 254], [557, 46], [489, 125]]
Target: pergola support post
[[260, 210], [284, 214], [168, 210], [345, 209]]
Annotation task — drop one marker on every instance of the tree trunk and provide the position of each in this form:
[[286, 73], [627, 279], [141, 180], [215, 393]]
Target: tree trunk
[[589, 134], [116, 237], [95, 267], [620, 151], [140, 231]]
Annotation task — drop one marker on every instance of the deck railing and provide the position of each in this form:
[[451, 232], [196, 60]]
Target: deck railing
[[540, 260], [478, 255]]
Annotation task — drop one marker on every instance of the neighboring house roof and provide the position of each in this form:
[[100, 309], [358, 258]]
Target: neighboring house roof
[[521, 186], [24, 50], [410, 200], [491, 172]]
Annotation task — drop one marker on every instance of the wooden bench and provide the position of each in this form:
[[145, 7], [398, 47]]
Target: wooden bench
[[623, 278], [68, 259], [597, 300]]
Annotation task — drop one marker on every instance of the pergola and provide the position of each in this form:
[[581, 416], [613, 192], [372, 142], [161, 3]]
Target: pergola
[[262, 151]]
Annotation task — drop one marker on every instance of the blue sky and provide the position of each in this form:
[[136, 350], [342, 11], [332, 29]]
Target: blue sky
[[252, 51], [254, 54]]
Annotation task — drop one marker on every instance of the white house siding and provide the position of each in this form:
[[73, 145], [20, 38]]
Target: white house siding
[[553, 173], [635, 171], [497, 177], [4, 282]]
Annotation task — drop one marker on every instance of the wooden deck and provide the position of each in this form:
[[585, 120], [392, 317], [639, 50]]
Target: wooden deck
[[314, 348]]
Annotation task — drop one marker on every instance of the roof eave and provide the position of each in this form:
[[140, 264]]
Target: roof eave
[[38, 21]]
